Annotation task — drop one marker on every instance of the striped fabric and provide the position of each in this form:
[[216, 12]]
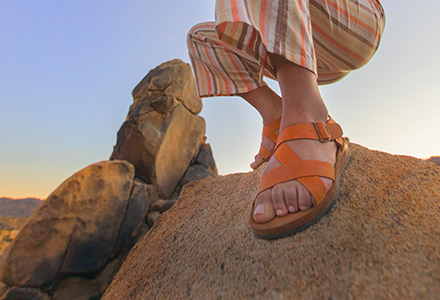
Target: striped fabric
[[328, 37]]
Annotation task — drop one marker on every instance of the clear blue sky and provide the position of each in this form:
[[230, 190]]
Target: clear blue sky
[[67, 69]]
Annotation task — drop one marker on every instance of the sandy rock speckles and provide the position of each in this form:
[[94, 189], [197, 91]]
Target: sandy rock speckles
[[380, 241]]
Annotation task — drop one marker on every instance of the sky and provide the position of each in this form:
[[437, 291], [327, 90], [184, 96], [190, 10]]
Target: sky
[[67, 69]]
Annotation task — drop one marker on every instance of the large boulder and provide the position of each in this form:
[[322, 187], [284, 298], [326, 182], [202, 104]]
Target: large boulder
[[380, 241], [86, 226], [163, 135], [73, 245]]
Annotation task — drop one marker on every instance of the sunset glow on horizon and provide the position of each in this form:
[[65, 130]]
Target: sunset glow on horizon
[[68, 69]]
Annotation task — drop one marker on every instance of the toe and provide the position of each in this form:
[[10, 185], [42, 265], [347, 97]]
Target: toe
[[278, 201], [304, 198], [269, 145], [263, 208], [257, 162], [291, 198]]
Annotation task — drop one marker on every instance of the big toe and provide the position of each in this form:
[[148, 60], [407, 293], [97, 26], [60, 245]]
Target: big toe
[[257, 162], [263, 208]]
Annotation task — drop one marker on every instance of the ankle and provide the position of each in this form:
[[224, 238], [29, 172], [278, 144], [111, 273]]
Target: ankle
[[271, 115], [304, 117], [266, 102]]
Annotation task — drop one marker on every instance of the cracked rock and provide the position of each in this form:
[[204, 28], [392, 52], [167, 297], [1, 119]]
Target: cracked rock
[[163, 135]]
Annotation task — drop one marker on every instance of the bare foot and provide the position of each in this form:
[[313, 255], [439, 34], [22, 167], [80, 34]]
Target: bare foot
[[259, 160], [292, 196]]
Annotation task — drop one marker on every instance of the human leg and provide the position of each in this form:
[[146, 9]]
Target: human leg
[[345, 36], [221, 70], [302, 103], [269, 105]]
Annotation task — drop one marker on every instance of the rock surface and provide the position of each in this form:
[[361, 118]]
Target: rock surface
[[163, 135], [173, 78], [91, 220], [380, 241], [3, 288], [24, 293], [435, 159], [74, 244]]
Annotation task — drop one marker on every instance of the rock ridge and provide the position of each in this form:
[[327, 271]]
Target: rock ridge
[[380, 241]]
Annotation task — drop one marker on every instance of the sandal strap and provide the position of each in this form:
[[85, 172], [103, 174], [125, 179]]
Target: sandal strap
[[269, 131], [285, 155], [314, 131], [264, 153], [307, 172], [298, 169]]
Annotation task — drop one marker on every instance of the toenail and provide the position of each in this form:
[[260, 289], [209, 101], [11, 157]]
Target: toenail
[[260, 209], [292, 209], [279, 212], [304, 207]]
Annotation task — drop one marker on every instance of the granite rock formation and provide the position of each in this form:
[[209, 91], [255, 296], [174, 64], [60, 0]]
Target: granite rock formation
[[86, 226], [73, 245], [162, 135], [380, 241]]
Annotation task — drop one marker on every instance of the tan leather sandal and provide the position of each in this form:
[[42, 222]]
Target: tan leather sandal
[[307, 172], [270, 132]]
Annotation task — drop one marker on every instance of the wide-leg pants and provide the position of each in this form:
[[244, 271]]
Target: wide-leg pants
[[329, 37]]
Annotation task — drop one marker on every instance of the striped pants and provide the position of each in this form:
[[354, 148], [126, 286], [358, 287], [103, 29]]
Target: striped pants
[[328, 37]]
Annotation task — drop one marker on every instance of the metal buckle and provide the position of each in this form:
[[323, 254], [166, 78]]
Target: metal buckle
[[322, 131]]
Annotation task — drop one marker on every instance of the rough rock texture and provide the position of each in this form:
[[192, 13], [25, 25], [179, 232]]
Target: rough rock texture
[[173, 78], [157, 208], [204, 166], [3, 288], [435, 159], [24, 293], [85, 228], [74, 244], [380, 241], [163, 135]]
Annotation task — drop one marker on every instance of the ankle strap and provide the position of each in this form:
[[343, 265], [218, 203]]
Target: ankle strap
[[313, 131]]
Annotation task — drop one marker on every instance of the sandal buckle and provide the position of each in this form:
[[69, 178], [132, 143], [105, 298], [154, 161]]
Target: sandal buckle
[[322, 131]]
